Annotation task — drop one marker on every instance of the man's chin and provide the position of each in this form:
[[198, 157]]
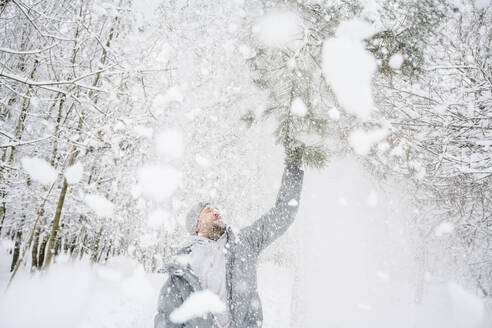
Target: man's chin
[[218, 229]]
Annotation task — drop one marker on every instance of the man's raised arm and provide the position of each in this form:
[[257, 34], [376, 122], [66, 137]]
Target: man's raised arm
[[278, 219]]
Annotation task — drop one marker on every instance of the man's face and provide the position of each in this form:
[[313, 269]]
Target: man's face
[[210, 224]]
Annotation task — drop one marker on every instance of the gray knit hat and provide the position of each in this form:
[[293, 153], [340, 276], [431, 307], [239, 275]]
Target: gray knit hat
[[192, 217]]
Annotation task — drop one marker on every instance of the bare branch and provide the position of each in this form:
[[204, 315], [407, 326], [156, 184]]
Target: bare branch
[[27, 52], [11, 137], [22, 143]]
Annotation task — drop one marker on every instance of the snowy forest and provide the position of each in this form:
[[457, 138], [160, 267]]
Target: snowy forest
[[116, 116]]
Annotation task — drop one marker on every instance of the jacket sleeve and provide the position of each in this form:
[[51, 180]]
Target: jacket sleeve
[[170, 298], [277, 220]]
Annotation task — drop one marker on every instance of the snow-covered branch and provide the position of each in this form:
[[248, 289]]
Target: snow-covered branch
[[27, 80], [27, 142]]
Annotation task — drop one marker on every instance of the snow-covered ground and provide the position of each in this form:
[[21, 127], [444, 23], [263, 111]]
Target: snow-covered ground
[[118, 294]]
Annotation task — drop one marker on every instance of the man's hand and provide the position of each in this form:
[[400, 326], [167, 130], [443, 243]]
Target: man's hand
[[294, 150]]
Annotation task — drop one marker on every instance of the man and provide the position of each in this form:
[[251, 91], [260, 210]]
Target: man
[[224, 262]]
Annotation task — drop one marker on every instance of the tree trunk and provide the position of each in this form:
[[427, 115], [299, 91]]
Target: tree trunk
[[58, 245], [59, 240], [109, 250], [67, 244], [78, 242], [18, 240], [35, 247], [42, 251], [2, 215], [96, 246], [57, 131], [82, 249], [100, 253], [71, 246], [56, 224]]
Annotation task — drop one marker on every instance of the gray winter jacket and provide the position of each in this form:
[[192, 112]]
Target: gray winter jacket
[[242, 254]]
